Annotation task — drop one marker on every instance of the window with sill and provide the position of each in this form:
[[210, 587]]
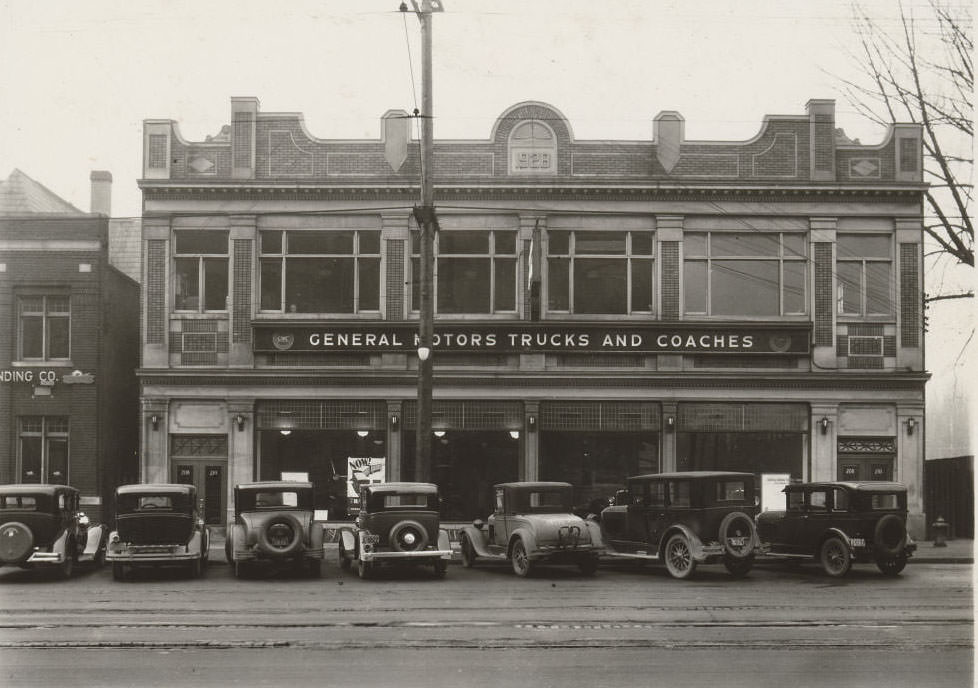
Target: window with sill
[[600, 272], [43, 444], [864, 270], [200, 270], [744, 274], [320, 271], [43, 327]]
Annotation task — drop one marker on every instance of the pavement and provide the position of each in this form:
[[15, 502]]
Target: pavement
[[956, 551]]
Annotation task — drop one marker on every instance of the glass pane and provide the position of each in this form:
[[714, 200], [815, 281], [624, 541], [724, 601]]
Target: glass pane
[[505, 242], [558, 284], [58, 304], [415, 243], [694, 245], [32, 337], [794, 287], [641, 286], [558, 243], [642, 243], [186, 289], [271, 284], [463, 242], [30, 459], [863, 246], [215, 284], [57, 424], [58, 460], [369, 242], [271, 242], [319, 285], [415, 284], [463, 285], [505, 285], [591, 243], [199, 241], [58, 336], [794, 245], [369, 284], [744, 287], [330, 241], [694, 286], [849, 300], [32, 304], [750, 244], [32, 424], [878, 288], [600, 286]]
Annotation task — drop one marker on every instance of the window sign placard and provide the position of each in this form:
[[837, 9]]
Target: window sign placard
[[363, 470], [772, 495], [295, 477]]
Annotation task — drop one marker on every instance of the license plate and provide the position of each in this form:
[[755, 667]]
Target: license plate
[[737, 541], [370, 539], [858, 542]]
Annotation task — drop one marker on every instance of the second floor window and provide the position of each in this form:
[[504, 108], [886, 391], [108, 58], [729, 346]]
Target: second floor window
[[744, 274], [320, 271], [44, 327], [600, 273], [864, 268], [200, 270]]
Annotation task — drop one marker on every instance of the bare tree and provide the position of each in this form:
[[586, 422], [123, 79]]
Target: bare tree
[[919, 69]]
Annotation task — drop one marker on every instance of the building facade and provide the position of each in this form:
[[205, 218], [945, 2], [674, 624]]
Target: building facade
[[602, 308], [69, 345]]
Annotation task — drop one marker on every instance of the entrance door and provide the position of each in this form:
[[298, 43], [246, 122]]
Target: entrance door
[[859, 468], [210, 479]]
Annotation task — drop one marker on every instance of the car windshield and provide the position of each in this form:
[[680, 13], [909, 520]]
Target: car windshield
[[393, 501], [20, 502]]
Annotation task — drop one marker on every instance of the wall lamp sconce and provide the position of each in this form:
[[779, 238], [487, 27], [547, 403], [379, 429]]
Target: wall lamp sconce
[[439, 433], [911, 424], [395, 421], [155, 421], [515, 434], [239, 420], [670, 423], [531, 423], [423, 353], [362, 433], [824, 425]]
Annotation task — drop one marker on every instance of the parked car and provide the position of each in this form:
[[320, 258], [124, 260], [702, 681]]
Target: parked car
[[685, 519], [398, 524], [41, 526], [273, 525], [157, 524], [838, 523], [533, 522]]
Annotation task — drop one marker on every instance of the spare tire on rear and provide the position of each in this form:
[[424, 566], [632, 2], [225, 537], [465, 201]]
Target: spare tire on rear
[[740, 525], [408, 536], [280, 536], [890, 536], [16, 541]]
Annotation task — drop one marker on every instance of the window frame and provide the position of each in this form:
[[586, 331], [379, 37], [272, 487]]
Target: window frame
[[60, 432], [46, 316], [863, 263], [201, 259]]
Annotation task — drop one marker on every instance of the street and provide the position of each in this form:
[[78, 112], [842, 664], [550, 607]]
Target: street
[[628, 625]]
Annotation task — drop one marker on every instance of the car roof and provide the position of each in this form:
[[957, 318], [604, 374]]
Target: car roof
[[155, 488], [693, 474], [534, 485], [35, 488], [426, 488], [865, 486], [275, 485]]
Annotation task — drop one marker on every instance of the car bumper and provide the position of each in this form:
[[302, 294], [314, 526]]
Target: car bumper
[[161, 553], [421, 554], [255, 555], [554, 552], [46, 558]]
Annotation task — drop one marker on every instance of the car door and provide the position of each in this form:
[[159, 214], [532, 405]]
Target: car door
[[818, 518], [656, 515], [787, 538], [498, 526]]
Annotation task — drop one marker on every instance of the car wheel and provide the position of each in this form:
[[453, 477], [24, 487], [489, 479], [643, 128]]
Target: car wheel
[[738, 568], [889, 537], [520, 559], [16, 541], [99, 558], [468, 552], [240, 569], [315, 568], [408, 536], [281, 536], [441, 568], [196, 569], [835, 557], [588, 566], [365, 569], [679, 557], [67, 567], [344, 559], [891, 567], [738, 525], [118, 571]]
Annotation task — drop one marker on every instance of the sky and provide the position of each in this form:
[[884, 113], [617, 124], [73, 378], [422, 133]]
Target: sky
[[79, 78]]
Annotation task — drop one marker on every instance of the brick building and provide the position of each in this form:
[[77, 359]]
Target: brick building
[[69, 345], [603, 308]]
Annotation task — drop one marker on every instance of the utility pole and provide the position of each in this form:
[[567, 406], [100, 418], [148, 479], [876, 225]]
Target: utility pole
[[427, 224]]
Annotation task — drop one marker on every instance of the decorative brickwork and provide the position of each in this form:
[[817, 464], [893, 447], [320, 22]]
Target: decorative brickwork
[[242, 290], [908, 155], [155, 291], [670, 280], [242, 136], [910, 300], [824, 301], [395, 279], [157, 153]]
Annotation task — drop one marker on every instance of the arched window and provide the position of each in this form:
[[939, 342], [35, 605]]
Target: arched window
[[532, 149]]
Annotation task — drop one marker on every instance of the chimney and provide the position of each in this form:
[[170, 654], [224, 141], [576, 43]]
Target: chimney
[[101, 192]]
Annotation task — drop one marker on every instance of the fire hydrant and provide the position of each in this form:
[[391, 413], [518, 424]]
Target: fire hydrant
[[940, 528]]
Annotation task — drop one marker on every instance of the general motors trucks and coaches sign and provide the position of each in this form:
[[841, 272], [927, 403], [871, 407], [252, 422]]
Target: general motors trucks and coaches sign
[[535, 337]]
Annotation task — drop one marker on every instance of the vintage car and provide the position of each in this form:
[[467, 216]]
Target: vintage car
[[533, 523], [157, 525], [398, 524], [40, 525], [685, 519], [274, 526], [838, 523]]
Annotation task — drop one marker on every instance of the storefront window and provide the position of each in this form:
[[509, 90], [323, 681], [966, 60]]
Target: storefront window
[[752, 452], [200, 270], [864, 270], [744, 274]]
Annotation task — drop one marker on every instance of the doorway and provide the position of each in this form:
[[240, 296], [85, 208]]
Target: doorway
[[210, 479]]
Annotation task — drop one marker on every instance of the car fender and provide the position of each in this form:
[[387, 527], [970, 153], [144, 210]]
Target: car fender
[[528, 537], [60, 546], [444, 542], [594, 529], [834, 532], [695, 544], [195, 543], [236, 541], [349, 541], [479, 537], [95, 540], [316, 535]]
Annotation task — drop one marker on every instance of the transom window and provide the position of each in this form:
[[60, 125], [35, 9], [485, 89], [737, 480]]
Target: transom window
[[201, 270], [44, 449], [600, 272], [864, 267], [44, 327], [476, 271], [532, 149], [320, 271], [744, 274]]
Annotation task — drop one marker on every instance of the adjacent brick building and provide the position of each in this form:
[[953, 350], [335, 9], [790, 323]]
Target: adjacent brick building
[[604, 308], [69, 345]]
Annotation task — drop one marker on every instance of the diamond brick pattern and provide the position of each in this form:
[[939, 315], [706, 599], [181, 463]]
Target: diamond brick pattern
[[670, 280], [910, 296], [155, 291], [824, 301], [242, 291]]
